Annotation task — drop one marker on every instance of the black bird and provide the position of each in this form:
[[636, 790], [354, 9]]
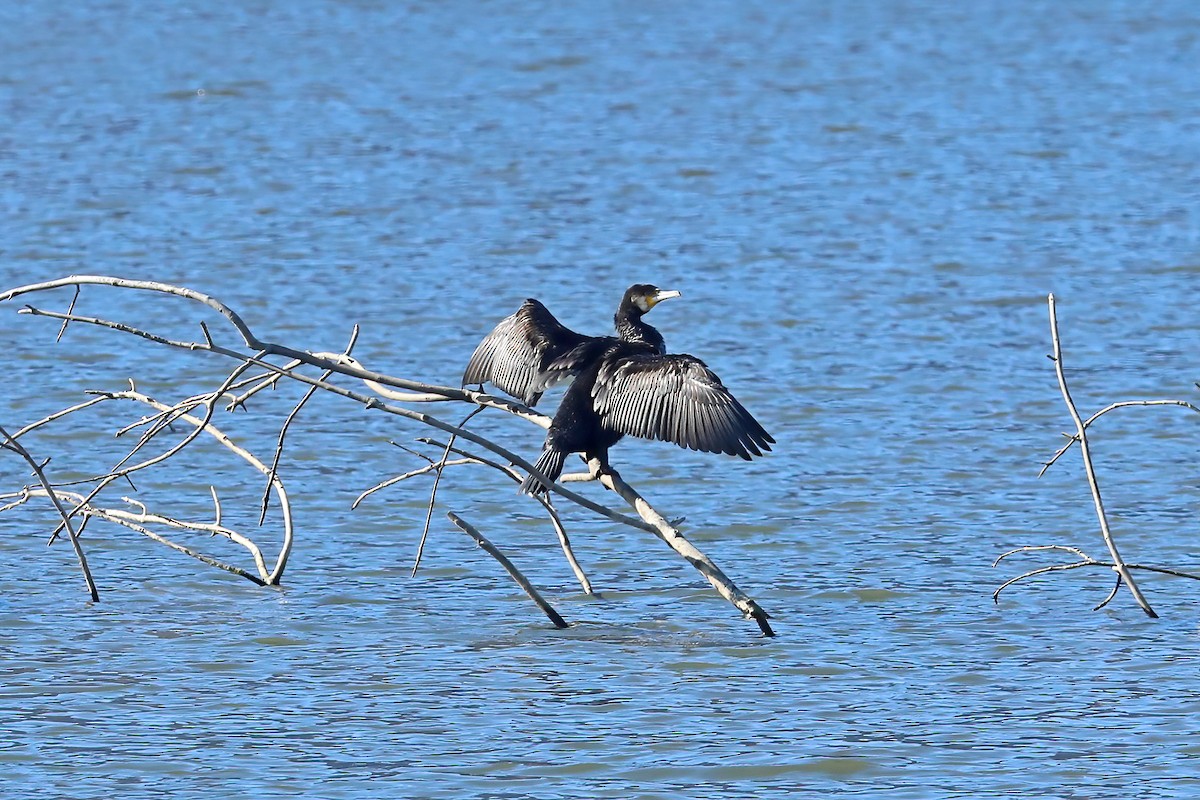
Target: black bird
[[623, 384]]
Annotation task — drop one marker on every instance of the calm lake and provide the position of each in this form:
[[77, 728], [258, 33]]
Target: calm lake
[[865, 206]]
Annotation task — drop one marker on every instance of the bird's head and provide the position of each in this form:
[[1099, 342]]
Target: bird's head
[[644, 296]]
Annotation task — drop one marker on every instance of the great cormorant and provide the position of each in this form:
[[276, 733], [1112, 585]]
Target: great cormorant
[[626, 384]]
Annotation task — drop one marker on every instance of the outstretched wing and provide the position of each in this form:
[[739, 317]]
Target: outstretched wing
[[523, 355], [675, 398]]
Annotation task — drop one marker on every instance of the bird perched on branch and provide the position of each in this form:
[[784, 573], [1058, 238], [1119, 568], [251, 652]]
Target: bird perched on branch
[[623, 385]]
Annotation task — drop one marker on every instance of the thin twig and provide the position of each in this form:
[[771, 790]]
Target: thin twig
[[287, 423], [574, 497], [58, 415], [412, 451], [437, 479], [265, 501], [1085, 561], [410, 474], [1073, 438], [257, 383], [1039, 571], [1111, 595], [33, 311], [164, 420], [62, 512], [70, 309], [1035, 547]]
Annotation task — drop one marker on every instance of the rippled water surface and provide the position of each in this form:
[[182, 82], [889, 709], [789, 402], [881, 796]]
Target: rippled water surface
[[864, 205]]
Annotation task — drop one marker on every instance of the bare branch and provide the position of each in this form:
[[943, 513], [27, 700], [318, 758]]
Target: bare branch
[[1111, 595], [103, 323], [564, 541], [212, 490], [83, 504], [1085, 451], [21, 496], [204, 425], [521, 580], [677, 542], [334, 362], [1034, 547], [437, 479], [248, 338], [1073, 438], [574, 497], [124, 472], [134, 523], [70, 308], [57, 415], [1084, 561], [257, 383], [410, 474], [577, 477], [62, 512], [287, 423], [414, 452]]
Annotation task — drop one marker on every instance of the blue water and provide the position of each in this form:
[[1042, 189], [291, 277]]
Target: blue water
[[865, 206]]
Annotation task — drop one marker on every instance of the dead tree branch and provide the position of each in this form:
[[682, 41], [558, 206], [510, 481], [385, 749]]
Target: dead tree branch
[[521, 580], [11, 443], [1117, 564], [272, 577], [137, 522], [1073, 438], [1084, 561], [677, 542], [439, 468], [1086, 454], [262, 364]]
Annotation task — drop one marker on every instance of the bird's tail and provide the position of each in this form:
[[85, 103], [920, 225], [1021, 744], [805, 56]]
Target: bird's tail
[[549, 463]]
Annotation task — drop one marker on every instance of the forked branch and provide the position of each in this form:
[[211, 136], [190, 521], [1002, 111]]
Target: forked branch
[[1089, 468], [1084, 560], [1117, 564]]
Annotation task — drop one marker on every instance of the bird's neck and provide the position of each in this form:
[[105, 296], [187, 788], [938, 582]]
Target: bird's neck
[[631, 328]]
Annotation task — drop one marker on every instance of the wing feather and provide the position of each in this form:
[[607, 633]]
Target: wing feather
[[675, 398], [526, 353]]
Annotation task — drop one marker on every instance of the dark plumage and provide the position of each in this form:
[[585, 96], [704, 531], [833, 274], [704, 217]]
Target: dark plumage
[[623, 385]]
